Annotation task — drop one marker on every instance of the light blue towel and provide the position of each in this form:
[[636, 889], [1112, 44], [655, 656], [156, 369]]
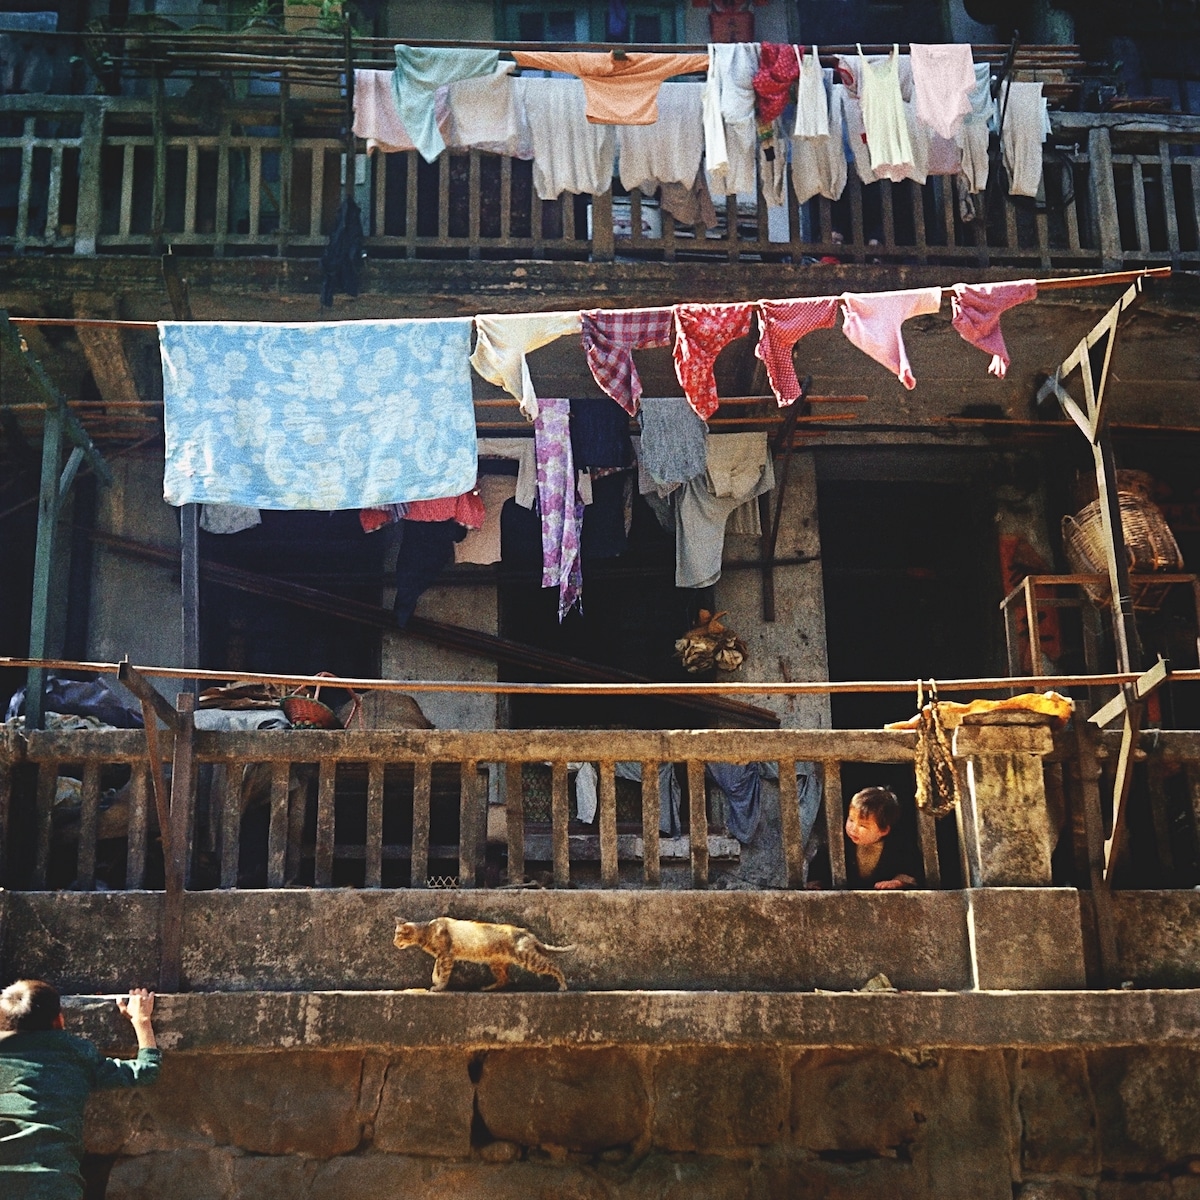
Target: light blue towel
[[420, 71], [320, 415]]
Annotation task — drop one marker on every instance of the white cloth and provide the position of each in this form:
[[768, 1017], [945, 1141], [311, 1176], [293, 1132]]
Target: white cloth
[[228, 518], [523, 451], [484, 113], [943, 79], [375, 115], [569, 153], [730, 137], [773, 168], [668, 151], [503, 341], [819, 163], [482, 545], [1022, 108], [973, 136], [586, 782], [884, 120], [812, 98], [856, 134]]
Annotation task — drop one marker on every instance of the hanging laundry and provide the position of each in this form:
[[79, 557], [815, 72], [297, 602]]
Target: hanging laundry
[[742, 785], [228, 518], [812, 99], [375, 116], [420, 71], [730, 138], [872, 320], [778, 69], [856, 134], [503, 340], [772, 165], [620, 91], [884, 120], [520, 450], [819, 163], [674, 442], [609, 339], [374, 519], [561, 509], [977, 308], [482, 545], [943, 80], [599, 433], [783, 324], [466, 509], [316, 415], [1026, 120], [484, 113], [689, 205], [739, 469], [426, 549], [605, 528], [702, 331], [569, 154], [669, 151], [343, 253], [973, 136]]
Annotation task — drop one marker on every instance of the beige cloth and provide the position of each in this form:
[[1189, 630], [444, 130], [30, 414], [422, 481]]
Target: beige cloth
[[1026, 127], [482, 545], [522, 451], [375, 115], [484, 113], [503, 341]]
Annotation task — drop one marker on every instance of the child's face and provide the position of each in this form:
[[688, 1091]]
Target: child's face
[[862, 828]]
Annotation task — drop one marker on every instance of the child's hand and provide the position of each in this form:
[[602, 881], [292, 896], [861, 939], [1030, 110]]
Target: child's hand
[[139, 1007], [894, 885]]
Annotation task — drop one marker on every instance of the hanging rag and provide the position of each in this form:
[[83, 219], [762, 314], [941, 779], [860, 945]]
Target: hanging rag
[[482, 545], [729, 132], [943, 80], [559, 503], [974, 135], [884, 120], [420, 71], [228, 518], [778, 69], [373, 519], [484, 113], [586, 798], [317, 415], [599, 433], [520, 450], [689, 205], [609, 339], [569, 154], [620, 91], [977, 308], [783, 324], [605, 531], [503, 341], [739, 469], [669, 151], [1022, 107], [375, 117], [467, 510], [741, 784], [819, 163], [343, 253], [872, 320], [702, 331], [674, 443], [426, 549], [933, 760], [812, 99]]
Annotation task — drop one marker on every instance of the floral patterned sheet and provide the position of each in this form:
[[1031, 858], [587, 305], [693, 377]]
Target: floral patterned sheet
[[317, 415]]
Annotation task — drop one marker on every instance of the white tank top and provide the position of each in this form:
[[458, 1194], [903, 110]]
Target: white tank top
[[883, 116]]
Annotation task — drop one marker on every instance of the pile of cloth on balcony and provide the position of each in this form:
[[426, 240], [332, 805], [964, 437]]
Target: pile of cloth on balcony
[[762, 109]]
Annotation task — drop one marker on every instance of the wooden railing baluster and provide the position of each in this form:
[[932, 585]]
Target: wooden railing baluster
[[651, 815], [609, 865], [136, 827], [374, 848], [560, 817], [514, 821], [89, 811], [468, 818], [789, 819], [278, 829], [835, 818], [419, 870], [698, 823], [47, 785], [231, 820]]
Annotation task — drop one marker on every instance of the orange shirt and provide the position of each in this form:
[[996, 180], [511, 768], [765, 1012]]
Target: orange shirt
[[619, 91]]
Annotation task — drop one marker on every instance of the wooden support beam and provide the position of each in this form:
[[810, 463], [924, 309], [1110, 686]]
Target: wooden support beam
[[43, 564], [183, 778]]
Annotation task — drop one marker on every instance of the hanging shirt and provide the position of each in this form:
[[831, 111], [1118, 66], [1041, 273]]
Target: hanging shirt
[[482, 545], [784, 323], [569, 154], [484, 113], [883, 116], [819, 163], [620, 91], [812, 100], [702, 331], [503, 341], [420, 71], [973, 136], [730, 138], [609, 339], [977, 308], [1022, 108], [872, 320], [559, 504], [943, 80], [466, 509], [668, 151], [599, 433], [778, 69], [674, 442], [375, 116]]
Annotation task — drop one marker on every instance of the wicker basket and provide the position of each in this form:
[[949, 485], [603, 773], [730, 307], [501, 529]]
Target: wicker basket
[[1149, 545]]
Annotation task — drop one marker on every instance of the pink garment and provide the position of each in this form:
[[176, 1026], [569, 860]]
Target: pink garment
[[372, 519], [872, 320], [784, 323], [609, 339], [943, 80], [466, 509], [977, 308], [375, 115], [702, 331], [778, 69]]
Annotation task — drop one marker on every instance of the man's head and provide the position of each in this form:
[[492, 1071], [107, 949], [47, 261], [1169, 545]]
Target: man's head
[[30, 1006], [873, 813]]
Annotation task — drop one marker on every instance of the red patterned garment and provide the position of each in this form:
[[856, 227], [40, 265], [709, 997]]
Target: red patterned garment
[[609, 339], [702, 331], [778, 69], [784, 323], [977, 308], [466, 509]]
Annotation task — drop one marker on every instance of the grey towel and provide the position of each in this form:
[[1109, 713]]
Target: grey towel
[[674, 440]]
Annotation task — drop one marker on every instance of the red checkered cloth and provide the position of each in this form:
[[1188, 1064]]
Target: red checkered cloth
[[609, 339], [784, 323], [702, 331]]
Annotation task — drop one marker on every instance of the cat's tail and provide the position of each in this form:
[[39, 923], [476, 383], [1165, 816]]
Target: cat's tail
[[556, 949]]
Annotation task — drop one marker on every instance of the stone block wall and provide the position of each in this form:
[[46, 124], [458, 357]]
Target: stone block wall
[[632, 1122]]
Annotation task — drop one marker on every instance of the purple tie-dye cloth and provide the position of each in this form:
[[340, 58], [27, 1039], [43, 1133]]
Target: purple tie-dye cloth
[[561, 508]]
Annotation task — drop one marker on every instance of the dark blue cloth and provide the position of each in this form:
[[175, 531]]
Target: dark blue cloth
[[93, 698], [599, 433], [604, 519], [742, 785], [426, 549], [520, 538]]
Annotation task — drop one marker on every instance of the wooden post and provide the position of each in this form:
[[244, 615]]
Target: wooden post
[[651, 815], [698, 823], [1102, 184], [43, 563], [467, 822], [189, 581], [609, 866], [87, 215], [831, 778], [789, 819], [183, 774], [158, 207], [514, 822], [560, 816], [422, 782]]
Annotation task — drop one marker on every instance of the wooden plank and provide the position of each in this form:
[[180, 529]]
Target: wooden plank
[[835, 820], [256, 189], [698, 823], [1086, 768], [506, 199], [25, 188], [668, 235], [609, 866], [651, 814], [326, 793], [189, 583], [1192, 770], [91, 144], [221, 222], [1140, 224], [560, 816], [287, 167], [468, 784], [278, 829], [158, 201], [568, 216], [43, 561], [419, 869], [374, 868], [927, 840], [230, 794], [54, 194], [183, 789], [47, 786], [297, 812], [191, 183], [858, 239], [136, 830], [732, 249], [887, 216], [316, 201], [474, 203], [89, 812], [443, 193], [789, 819], [1170, 214], [1103, 190], [1070, 211], [514, 821], [411, 203]]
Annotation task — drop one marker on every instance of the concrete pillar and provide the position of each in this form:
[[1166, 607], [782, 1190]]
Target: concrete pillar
[[1005, 826]]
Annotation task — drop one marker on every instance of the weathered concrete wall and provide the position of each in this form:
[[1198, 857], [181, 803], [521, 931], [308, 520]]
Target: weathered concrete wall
[[676, 1122], [465, 20]]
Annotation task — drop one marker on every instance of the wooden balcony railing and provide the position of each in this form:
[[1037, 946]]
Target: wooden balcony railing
[[94, 175]]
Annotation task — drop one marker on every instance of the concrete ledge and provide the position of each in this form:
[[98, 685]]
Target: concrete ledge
[[269, 1021]]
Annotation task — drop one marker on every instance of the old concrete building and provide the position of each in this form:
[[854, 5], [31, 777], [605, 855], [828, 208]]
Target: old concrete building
[[726, 1032]]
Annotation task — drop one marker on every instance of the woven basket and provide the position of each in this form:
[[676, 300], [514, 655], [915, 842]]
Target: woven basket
[[1149, 545]]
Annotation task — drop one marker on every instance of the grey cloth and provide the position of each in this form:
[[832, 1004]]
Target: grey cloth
[[701, 508], [742, 785], [674, 439], [670, 794]]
